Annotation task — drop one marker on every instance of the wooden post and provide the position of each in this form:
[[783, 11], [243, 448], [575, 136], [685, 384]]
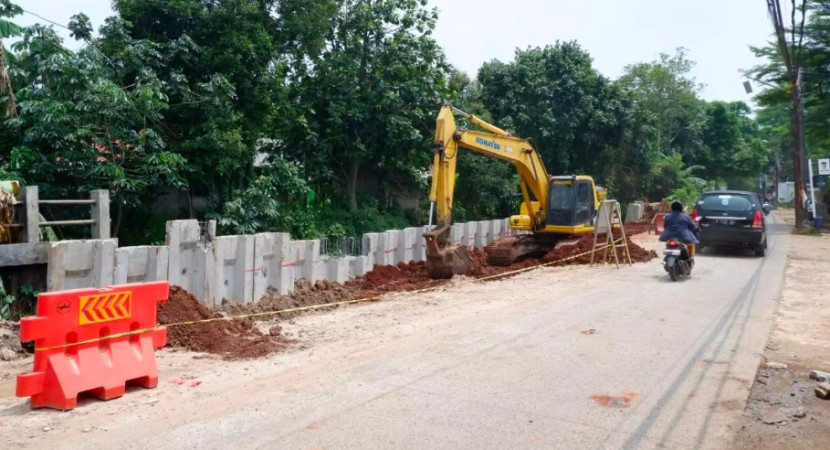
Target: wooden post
[[32, 213], [100, 212]]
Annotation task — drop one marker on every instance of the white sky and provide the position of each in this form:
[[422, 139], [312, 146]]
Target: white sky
[[717, 33]]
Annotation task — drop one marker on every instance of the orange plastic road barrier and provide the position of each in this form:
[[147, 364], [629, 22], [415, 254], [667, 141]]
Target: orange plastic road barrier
[[657, 223], [92, 340]]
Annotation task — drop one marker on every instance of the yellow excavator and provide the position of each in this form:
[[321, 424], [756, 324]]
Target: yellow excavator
[[553, 209]]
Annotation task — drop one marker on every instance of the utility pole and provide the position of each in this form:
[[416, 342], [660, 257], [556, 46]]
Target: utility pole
[[792, 62], [799, 156]]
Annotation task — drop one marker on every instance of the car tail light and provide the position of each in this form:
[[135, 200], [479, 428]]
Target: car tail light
[[758, 222], [694, 214], [672, 244]]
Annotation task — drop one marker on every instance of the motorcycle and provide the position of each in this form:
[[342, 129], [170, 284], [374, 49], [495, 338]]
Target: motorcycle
[[677, 260]]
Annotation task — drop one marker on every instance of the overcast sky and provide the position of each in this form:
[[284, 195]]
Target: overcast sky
[[717, 33]]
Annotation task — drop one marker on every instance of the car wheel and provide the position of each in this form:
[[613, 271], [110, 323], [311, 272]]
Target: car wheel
[[761, 251]]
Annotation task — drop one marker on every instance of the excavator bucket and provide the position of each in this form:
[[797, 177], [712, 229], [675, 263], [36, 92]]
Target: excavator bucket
[[448, 261], [444, 261]]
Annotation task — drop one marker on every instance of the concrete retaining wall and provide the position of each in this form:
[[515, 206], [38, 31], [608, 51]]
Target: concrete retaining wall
[[241, 268]]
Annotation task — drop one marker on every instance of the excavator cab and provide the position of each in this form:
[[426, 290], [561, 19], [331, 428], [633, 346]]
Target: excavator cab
[[571, 202]]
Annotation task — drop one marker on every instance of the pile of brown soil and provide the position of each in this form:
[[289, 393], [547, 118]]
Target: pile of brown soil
[[382, 279], [233, 339], [413, 276], [583, 249]]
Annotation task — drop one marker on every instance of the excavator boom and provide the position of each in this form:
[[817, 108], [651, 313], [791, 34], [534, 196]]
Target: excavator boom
[[443, 260]]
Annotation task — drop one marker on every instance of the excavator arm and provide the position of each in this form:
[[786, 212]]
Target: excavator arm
[[443, 260]]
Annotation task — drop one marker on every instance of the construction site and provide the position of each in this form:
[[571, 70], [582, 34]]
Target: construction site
[[348, 224]]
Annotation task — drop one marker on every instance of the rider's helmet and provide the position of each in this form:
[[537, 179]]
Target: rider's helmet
[[676, 206]]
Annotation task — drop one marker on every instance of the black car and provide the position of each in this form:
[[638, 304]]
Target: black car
[[731, 218]]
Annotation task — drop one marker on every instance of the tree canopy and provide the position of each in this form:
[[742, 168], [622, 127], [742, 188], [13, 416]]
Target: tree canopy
[[317, 116]]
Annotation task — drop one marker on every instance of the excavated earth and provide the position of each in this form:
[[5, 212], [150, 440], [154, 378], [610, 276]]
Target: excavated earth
[[242, 340], [232, 339], [217, 333]]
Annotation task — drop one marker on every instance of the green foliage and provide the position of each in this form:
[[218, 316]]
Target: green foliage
[[79, 128], [367, 102], [14, 307], [554, 97], [341, 97]]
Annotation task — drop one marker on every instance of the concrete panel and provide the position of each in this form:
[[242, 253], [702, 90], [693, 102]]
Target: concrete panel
[[634, 212], [484, 233], [406, 245], [81, 264], [370, 247], [393, 242], [387, 245], [314, 268], [191, 259], [470, 230], [296, 261], [457, 233], [337, 270], [24, 254], [233, 269], [496, 230], [360, 266], [271, 270], [419, 251], [141, 264]]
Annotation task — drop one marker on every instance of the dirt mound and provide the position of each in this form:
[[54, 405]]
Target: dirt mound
[[413, 276], [233, 339], [579, 253], [10, 347]]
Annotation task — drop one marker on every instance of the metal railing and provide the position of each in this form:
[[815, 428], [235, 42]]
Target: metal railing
[[340, 247], [99, 211]]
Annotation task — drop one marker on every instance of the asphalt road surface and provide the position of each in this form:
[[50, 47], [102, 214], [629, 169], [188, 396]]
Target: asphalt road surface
[[567, 358]]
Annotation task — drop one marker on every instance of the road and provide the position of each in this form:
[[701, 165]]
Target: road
[[569, 358]]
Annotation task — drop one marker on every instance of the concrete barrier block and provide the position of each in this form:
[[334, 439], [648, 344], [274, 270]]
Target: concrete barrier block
[[470, 230], [81, 264], [191, 259], [457, 233], [141, 264], [496, 230], [370, 247], [484, 230], [393, 242], [273, 264], [406, 245], [314, 268], [634, 212], [360, 266], [337, 270], [419, 252]]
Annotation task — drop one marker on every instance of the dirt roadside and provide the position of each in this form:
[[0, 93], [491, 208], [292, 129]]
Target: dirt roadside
[[782, 411]]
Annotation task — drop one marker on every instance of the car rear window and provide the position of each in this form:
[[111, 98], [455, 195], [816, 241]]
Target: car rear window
[[729, 203]]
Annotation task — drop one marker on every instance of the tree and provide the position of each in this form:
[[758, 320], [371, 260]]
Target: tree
[[733, 147], [667, 96], [79, 128], [225, 80], [556, 99], [369, 100], [7, 29]]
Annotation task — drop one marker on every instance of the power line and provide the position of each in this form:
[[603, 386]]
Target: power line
[[50, 21]]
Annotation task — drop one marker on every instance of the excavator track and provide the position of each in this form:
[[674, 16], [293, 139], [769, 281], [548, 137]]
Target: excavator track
[[505, 251]]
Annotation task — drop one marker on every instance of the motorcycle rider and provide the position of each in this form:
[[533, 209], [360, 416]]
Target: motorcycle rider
[[678, 225]]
